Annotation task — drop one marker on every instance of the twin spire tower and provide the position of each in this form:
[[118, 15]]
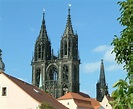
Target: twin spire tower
[[56, 74]]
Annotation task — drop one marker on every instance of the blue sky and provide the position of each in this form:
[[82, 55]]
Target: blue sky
[[94, 20]]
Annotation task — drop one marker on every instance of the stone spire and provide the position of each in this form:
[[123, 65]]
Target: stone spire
[[43, 31], [102, 80], [69, 28], [2, 65], [43, 44], [69, 41], [101, 87]]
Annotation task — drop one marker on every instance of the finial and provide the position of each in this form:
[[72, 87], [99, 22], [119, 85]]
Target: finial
[[43, 13], [69, 5], [102, 60]]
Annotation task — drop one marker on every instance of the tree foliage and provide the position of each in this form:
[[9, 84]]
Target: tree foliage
[[121, 44], [45, 105], [123, 48]]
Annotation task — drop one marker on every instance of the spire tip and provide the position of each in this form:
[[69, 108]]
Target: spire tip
[[43, 10], [43, 13], [69, 5]]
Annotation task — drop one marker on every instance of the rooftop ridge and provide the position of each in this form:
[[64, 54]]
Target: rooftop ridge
[[34, 92]]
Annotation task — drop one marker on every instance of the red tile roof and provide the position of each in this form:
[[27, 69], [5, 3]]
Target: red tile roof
[[84, 94], [81, 101], [35, 92]]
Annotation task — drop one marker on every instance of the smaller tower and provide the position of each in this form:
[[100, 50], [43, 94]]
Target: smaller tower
[[101, 87], [2, 65]]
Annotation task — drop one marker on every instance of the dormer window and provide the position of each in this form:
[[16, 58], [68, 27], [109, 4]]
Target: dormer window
[[4, 91]]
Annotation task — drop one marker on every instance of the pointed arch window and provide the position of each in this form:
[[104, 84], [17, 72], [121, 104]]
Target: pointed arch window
[[42, 51], [65, 47], [37, 76], [65, 72], [53, 74], [39, 51]]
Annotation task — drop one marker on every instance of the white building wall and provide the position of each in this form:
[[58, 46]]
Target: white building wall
[[16, 98], [69, 103], [105, 103]]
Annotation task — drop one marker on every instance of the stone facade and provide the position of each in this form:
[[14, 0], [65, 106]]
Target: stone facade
[[56, 74]]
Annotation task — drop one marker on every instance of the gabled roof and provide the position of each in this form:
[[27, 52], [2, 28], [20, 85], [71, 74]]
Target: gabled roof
[[72, 95], [81, 100], [109, 98], [37, 94]]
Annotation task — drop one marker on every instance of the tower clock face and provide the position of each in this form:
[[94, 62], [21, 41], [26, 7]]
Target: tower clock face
[[65, 72]]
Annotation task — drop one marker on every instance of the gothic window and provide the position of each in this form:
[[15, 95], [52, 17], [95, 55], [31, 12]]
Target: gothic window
[[42, 51], [35, 53], [69, 45], [65, 72], [37, 77], [65, 47], [53, 74], [39, 51]]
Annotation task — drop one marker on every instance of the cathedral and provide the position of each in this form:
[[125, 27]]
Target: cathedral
[[56, 75]]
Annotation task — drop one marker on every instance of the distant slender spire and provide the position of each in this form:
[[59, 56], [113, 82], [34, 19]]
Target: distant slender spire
[[69, 28], [102, 88], [102, 80], [2, 65]]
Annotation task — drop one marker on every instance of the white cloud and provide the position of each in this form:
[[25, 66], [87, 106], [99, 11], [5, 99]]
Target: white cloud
[[108, 56], [100, 48], [114, 67], [91, 67]]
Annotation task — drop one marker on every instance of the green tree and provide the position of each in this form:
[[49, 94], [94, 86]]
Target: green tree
[[45, 105], [123, 48]]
